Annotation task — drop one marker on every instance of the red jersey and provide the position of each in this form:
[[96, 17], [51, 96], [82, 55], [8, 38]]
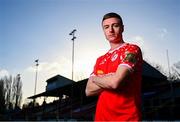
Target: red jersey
[[124, 103]]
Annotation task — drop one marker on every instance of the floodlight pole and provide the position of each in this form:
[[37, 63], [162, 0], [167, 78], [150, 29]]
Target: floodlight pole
[[168, 63], [73, 38], [37, 64], [72, 33], [171, 84]]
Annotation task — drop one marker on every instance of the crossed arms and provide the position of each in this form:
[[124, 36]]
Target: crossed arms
[[96, 84]]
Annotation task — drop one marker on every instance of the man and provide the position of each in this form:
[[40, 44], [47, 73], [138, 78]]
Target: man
[[117, 76]]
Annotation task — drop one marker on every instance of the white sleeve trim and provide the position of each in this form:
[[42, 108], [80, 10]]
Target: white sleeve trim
[[128, 66]]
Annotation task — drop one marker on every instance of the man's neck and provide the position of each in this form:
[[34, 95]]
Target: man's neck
[[115, 45]]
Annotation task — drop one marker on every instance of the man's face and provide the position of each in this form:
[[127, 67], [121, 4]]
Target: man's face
[[112, 30]]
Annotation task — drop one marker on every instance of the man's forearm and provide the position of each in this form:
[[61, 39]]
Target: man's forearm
[[112, 81], [104, 81], [92, 89]]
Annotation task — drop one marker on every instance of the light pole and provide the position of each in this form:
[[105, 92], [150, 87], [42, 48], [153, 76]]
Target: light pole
[[171, 85], [168, 63], [73, 38], [37, 64]]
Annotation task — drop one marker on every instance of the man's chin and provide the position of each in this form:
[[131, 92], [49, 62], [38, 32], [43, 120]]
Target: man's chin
[[113, 41]]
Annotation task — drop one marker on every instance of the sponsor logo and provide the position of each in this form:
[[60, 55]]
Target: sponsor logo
[[100, 72]]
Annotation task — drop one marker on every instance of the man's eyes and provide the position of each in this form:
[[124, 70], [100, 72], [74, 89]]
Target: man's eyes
[[114, 25], [106, 27]]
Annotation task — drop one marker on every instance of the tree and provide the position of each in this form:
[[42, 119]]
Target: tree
[[10, 92], [7, 90], [159, 68], [2, 97], [175, 75], [17, 91]]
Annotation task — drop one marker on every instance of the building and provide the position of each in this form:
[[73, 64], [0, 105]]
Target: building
[[160, 99]]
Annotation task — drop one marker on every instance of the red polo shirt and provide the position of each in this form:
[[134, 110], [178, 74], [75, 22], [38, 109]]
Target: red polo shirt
[[122, 104]]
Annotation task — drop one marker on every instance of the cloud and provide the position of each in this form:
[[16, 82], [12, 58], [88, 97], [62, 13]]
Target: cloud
[[61, 66], [139, 40], [162, 32], [144, 44], [46, 70], [3, 73]]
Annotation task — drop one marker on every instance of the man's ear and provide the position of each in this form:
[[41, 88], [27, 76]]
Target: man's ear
[[122, 29]]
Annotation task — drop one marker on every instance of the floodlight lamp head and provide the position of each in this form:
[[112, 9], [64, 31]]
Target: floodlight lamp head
[[72, 32]]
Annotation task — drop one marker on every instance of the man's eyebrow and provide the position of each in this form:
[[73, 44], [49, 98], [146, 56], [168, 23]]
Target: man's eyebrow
[[116, 23], [105, 25]]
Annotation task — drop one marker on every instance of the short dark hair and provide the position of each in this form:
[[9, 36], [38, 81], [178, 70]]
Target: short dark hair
[[112, 15]]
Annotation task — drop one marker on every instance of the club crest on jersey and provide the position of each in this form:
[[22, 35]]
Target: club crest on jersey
[[114, 57]]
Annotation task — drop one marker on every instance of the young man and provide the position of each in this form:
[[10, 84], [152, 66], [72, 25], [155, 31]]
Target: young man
[[117, 76]]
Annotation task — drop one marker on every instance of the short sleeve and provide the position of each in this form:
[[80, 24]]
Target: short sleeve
[[96, 66], [94, 69], [131, 56], [99, 67]]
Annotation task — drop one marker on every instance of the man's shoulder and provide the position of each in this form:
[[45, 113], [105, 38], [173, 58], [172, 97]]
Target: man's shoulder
[[101, 57], [130, 46]]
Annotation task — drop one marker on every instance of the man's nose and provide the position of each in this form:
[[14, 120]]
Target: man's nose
[[111, 29]]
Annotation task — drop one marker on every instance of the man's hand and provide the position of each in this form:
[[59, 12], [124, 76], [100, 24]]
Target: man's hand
[[91, 88]]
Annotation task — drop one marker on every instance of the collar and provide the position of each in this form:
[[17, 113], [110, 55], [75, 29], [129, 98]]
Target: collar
[[117, 48]]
